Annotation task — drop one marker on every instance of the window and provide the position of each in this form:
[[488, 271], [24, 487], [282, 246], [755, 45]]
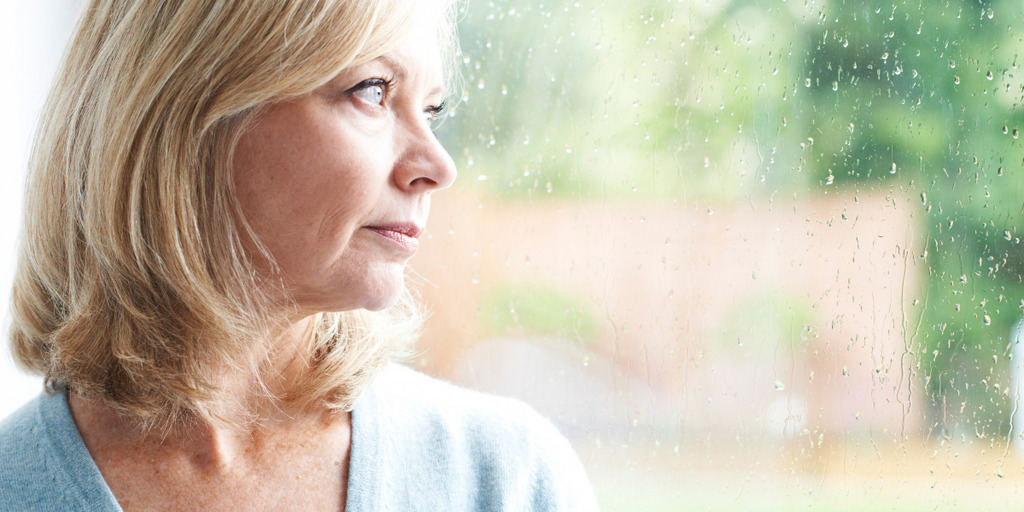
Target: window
[[748, 255]]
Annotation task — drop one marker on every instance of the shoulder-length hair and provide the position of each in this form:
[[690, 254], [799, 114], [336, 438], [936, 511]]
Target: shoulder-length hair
[[133, 283]]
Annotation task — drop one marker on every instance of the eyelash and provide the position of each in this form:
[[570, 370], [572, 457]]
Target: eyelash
[[433, 112], [385, 83]]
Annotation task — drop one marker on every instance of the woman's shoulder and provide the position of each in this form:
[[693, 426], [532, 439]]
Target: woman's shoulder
[[445, 414], [421, 398], [23, 452], [471, 450], [43, 463]]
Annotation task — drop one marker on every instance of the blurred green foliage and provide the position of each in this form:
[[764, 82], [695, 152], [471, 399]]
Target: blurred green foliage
[[723, 100], [537, 309], [782, 319]]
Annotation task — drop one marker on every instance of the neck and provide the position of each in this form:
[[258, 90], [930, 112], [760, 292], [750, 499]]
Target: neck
[[256, 411], [258, 398], [203, 444]]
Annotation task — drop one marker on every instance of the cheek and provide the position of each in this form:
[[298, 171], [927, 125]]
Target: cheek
[[306, 189], [275, 172]]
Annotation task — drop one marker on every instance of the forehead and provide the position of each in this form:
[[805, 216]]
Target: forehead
[[418, 55]]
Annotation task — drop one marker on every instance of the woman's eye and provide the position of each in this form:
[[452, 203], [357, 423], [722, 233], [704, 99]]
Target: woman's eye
[[434, 112], [373, 91], [374, 94]]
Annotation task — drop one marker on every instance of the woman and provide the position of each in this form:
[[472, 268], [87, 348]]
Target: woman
[[222, 199]]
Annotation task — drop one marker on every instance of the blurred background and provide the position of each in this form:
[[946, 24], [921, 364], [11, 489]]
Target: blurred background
[[747, 255]]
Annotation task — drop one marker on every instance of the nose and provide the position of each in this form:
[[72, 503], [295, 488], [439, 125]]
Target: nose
[[423, 165]]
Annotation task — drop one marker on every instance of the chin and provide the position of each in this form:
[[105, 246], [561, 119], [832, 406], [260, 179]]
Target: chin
[[381, 305], [383, 295]]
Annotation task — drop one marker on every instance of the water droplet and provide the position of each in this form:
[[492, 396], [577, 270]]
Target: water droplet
[[807, 82], [987, 320], [893, 170], [1007, 235], [779, 385], [1006, 129], [988, 75], [924, 198], [835, 85], [963, 279], [846, 372], [1000, 171], [956, 79], [1014, 133]]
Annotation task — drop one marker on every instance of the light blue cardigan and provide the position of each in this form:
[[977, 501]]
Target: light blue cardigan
[[418, 444]]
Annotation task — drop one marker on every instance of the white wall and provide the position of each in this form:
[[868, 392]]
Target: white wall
[[32, 37]]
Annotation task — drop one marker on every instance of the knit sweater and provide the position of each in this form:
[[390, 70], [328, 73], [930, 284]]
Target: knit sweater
[[418, 444]]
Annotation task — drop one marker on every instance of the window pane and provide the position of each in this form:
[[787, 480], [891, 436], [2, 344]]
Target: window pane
[[748, 255]]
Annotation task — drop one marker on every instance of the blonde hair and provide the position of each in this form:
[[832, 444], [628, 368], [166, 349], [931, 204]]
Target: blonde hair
[[133, 282]]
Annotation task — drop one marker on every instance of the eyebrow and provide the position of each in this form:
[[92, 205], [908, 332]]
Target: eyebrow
[[401, 73]]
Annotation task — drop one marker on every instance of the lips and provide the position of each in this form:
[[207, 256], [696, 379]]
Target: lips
[[405, 236]]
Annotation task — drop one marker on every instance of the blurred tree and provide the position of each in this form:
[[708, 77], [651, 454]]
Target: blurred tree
[[684, 101]]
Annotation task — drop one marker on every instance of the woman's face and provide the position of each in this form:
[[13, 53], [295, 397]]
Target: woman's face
[[337, 183]]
